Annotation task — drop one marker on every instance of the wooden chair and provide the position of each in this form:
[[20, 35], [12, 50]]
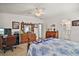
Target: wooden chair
[[1, 41], [24, 38], [10, 42], [31, 37]]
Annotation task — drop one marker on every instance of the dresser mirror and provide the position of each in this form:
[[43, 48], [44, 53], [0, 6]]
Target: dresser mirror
[[37, 28]]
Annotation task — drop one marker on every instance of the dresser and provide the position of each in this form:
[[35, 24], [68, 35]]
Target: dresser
[[53, 34], [28, 37]]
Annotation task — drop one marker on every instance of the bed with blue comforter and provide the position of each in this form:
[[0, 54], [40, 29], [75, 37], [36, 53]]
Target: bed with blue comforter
[[54, 47]]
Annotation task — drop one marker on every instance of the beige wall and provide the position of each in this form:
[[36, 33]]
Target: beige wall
[[6, 19]]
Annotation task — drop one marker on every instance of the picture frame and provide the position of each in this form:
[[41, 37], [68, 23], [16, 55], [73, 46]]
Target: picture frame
[[15, 25], [75, 23]]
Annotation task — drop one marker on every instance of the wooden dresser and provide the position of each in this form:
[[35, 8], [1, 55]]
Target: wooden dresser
[[53, 34], [28, 37]]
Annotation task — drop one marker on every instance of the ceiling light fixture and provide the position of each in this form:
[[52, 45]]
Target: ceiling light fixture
[[39, 12]]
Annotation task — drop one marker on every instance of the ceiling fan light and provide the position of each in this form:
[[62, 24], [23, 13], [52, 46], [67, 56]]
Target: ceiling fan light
[[37, 14]]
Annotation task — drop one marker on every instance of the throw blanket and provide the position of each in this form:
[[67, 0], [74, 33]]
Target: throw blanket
[[54, 47]]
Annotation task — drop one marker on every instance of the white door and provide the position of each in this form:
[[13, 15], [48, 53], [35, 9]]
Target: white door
[[75, 33]]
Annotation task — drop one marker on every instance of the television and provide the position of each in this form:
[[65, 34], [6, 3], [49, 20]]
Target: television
[[1, 31], [7, 31]]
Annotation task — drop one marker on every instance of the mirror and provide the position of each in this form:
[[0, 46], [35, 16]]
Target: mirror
[[29, 27]]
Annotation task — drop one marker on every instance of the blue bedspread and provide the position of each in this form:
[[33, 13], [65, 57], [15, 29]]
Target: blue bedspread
[[54, 47]]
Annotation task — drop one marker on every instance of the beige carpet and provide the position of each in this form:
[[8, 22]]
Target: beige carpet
[[21, 50]]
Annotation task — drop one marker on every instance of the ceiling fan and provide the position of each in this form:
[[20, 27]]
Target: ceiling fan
[[39, 12], [36, 12]]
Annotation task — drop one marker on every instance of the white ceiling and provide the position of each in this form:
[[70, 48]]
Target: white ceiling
[[50, 9]]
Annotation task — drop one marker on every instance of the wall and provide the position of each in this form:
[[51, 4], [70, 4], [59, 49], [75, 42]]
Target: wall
[[1, 20], [8, 18], [57, 19]]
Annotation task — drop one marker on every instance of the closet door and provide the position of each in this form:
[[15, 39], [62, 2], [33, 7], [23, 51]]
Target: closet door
[[75, 33], [36, 32], [40, 30]]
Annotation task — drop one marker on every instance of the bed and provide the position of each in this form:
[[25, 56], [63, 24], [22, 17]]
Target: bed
[[53, 47]]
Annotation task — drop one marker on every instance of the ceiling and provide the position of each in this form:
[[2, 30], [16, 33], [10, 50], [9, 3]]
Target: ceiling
[[50, 9]]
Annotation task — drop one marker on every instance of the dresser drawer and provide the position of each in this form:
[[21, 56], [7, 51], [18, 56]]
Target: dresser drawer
[[53, 34]]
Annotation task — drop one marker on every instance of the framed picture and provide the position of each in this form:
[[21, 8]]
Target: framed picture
[[15, 25], [75, 23]]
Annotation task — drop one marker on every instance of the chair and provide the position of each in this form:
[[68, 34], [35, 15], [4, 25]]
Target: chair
[[31, 38], [24, 38], [1, 42], [10, 42]]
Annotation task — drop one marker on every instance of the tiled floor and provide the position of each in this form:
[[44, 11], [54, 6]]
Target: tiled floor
[[21, 50]]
